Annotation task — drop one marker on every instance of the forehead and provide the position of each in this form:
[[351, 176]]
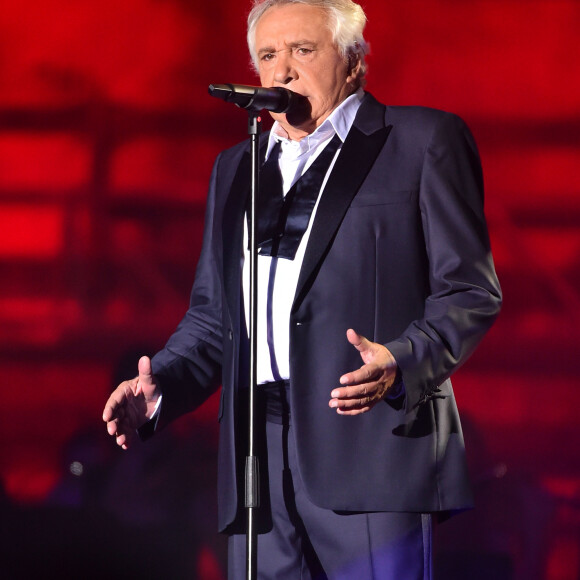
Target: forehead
[[290, 23]]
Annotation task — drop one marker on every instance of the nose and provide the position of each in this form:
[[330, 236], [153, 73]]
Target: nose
[[284, 71]]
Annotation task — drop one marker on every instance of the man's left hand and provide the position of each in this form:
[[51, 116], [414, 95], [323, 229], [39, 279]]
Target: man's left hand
[[364, 388]]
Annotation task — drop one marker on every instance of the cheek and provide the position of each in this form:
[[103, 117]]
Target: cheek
[[329, 82], [265, 78]]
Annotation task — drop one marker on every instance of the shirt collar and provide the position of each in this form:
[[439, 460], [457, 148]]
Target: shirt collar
[[339, 121]]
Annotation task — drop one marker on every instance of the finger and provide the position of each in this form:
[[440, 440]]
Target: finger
[[352, 403], [354, 411], [109, 412], [350, 399], [123, 440], [113, 406], [113, 427], [354, 392], [352, 406], [116, 403], [365, 374]]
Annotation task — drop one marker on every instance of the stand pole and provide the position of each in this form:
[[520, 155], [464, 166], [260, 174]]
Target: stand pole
[[252, 491]]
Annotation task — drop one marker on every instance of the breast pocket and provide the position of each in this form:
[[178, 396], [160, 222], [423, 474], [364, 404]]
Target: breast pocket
[[372, 198]]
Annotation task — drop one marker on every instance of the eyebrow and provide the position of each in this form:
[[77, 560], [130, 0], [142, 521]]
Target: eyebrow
[[295, 44]]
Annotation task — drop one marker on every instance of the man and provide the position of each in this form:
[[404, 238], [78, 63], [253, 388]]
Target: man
[[395, 253]]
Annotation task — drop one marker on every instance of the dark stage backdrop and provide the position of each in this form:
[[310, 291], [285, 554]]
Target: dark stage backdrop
[[107, 138]]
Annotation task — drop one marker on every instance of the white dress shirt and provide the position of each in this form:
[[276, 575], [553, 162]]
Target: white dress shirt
[[295, 159]]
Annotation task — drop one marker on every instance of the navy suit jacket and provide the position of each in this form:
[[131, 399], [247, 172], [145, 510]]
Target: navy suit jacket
[[399, 251]]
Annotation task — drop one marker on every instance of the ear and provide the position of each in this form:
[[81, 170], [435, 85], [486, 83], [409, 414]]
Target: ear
[[354, 65]]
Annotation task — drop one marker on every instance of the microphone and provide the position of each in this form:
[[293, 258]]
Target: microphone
[[275, 99]]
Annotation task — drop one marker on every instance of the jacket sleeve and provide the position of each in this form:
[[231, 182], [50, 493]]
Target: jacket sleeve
[[188, 369], [464, 297]]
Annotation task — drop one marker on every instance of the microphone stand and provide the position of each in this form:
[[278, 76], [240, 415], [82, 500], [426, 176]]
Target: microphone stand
[[252, 474], [253, 99]]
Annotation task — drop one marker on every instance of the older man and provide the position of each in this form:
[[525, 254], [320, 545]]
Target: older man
[[392, 245]]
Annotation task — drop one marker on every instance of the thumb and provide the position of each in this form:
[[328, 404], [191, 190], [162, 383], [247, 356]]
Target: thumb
[[145, 371], [357, 340]]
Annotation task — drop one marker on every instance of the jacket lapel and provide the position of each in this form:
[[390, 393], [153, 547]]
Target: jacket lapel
[[233, 226], [356, 158]]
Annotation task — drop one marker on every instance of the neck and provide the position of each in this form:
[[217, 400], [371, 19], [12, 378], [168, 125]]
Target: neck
[[294, 133]]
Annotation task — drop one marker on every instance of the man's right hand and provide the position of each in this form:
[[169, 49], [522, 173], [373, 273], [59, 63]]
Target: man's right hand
[[131, 404]]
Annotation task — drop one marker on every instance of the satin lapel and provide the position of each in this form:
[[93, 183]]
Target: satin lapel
[[357, 156], [233, 226]]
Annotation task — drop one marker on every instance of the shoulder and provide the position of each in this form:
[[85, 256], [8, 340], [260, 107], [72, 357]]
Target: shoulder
[[233, 153], [423, 127], [423, 121], [416, 123], [412, 114]]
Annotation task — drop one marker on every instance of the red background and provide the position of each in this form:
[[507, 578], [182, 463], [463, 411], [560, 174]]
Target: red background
[[107, 138]]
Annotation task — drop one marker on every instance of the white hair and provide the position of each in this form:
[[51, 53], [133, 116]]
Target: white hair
[[346, 21]]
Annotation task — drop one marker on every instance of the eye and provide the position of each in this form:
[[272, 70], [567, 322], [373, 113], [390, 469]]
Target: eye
[[303, 51], [267, 57]]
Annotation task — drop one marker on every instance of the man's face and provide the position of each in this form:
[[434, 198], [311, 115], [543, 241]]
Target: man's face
[[296, 51]]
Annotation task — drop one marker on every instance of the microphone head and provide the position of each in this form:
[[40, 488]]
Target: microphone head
[[274, 99], [221, 91]]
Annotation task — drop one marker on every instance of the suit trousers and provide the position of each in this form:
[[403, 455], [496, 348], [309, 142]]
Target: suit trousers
[[304, 541]]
